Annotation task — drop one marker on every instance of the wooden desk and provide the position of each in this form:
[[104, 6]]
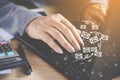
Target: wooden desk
[[41, 70]]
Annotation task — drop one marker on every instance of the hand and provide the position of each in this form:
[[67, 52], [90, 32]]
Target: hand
[[55, 27], [95, 13]]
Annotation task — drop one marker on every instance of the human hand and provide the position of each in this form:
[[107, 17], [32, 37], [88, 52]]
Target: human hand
[[95, 13], [55, 27]]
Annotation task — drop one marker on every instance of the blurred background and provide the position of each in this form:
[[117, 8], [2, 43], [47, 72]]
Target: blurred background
[[71, 10]]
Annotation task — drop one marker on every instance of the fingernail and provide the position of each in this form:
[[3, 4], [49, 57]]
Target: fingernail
[[58, 50], [81, 41], [78, 47], [71, 50]]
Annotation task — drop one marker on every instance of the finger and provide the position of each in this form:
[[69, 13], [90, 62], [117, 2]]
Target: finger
[[96, 16], [61, 39], [67, 33], [73, 30], [49, 41], [79, 32], [99, 17], [90, 18]]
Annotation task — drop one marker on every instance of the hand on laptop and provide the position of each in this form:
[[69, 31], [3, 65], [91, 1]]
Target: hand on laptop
[[96, 13], [55, 27]]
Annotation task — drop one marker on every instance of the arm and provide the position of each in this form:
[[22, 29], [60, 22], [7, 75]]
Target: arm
[[104, 2], [96, 10], [14, 18]]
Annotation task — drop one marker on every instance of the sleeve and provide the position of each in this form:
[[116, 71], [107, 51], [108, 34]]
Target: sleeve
[[14, 18], [87, 3], [104, 2]]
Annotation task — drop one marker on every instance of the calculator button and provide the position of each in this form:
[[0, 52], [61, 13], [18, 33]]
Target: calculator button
[[6, 47], [2, 54], [10, 53]]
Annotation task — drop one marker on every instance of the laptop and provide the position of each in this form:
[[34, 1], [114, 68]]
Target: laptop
[[99, 59]]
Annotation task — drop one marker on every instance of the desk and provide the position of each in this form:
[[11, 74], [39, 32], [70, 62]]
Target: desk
[[41, 70]]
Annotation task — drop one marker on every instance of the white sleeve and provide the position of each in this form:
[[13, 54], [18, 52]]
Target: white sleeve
[[104, 2]]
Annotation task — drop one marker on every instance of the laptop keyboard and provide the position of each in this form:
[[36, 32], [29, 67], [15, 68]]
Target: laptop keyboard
[[88, 64]]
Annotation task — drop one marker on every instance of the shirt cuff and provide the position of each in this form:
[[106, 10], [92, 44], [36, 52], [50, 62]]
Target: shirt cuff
[[15, 18], [4, 35], [104, 2], [22, 17], [26, 20]]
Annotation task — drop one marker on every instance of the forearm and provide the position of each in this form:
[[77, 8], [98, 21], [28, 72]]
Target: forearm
[[15, 18], [95, 10]]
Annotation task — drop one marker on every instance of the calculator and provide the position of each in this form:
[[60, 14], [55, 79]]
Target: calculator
[[12, 58]]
